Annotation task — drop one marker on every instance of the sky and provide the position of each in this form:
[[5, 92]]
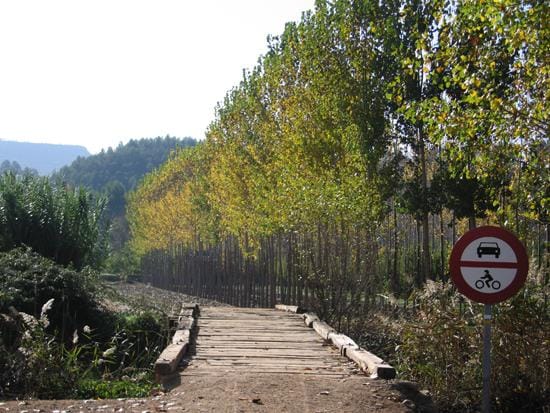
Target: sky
[[96, 73]]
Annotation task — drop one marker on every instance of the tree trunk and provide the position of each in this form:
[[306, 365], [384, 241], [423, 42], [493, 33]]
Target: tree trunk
[[426, 261]]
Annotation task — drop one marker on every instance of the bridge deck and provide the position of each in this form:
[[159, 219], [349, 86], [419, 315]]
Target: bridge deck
[[252, 340]]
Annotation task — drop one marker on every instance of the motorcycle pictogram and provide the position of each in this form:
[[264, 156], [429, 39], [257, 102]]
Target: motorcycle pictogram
[[487, 280]]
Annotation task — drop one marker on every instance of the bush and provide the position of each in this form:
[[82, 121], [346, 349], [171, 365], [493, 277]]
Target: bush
[[57, 342], [35, 364], [442, 346], [28, 280]]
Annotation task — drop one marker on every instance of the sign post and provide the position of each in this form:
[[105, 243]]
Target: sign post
[[486, 361], [488, 265]]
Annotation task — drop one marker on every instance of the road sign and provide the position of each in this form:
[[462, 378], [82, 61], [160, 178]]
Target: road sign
[[488, 264]]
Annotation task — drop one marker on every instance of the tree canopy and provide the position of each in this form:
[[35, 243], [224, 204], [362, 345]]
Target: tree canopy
[[362, 111]]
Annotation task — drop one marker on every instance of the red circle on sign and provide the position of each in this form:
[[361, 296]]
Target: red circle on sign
[[521, 264]]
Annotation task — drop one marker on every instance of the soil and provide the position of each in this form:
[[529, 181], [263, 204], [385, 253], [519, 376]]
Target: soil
[[237, 393], [119, 296]]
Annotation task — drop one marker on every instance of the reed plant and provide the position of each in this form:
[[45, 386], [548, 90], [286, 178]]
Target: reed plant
[[55, 220]]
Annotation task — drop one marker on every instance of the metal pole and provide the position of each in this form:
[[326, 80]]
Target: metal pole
[[486, 363]]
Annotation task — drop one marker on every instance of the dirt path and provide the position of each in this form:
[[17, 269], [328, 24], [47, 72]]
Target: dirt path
[[253, 360], [257, 393]]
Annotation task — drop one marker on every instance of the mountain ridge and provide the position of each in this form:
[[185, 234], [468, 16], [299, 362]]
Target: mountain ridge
[[44, 157]]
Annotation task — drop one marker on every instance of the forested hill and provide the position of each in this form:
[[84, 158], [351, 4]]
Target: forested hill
[[126, 164], [43, 157]]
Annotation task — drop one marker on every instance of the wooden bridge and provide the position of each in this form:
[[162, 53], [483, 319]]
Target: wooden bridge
[[259, 359], [262, 341]]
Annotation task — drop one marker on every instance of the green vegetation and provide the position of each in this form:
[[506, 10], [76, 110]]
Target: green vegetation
[[124, 165], [110, 175], [58, 341], [370, 136], [54, 220]]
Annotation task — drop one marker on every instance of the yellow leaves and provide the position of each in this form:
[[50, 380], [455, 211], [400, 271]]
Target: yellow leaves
[[163, 209], [496, 103]]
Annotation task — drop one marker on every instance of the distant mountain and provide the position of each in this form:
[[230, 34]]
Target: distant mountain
[[44, 157]]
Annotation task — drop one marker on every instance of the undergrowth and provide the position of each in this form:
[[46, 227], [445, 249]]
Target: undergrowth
[[439, 346], [104, 354]]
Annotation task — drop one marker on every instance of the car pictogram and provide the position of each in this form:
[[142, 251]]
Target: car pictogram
[[488, 248]]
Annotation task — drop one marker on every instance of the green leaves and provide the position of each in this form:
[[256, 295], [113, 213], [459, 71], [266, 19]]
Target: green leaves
[[56, 221]]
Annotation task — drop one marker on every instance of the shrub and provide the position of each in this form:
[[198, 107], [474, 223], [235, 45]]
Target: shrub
[[57, 342], [442, 345], [27, 280], [37, 365]]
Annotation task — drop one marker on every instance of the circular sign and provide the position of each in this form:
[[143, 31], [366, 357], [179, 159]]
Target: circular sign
[[488, 265]]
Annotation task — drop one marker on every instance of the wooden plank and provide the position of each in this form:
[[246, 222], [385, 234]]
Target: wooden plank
[[323, 329], [170, 358], [181, 336], [290, 308], [260, 339], [309, 318], [371, 363], [342, 342], [248, 344], [251, 329], [186, 323], [244, 323], [190, 307], [267, 361], [216, 372], [254, 355], [265, 341], [259, 350], [260, 335]]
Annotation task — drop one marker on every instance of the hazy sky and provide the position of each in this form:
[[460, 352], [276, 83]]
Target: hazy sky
[[99, 72]]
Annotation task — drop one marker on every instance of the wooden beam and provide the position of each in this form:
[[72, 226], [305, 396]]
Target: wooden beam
[[169, 359], [290, 308], [371, 363], [323, 329], [309, 318], [343, 342], [181, 336]]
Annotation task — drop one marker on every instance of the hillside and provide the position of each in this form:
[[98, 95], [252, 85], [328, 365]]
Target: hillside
[[115, 171], [43, 157], [124, 165]]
